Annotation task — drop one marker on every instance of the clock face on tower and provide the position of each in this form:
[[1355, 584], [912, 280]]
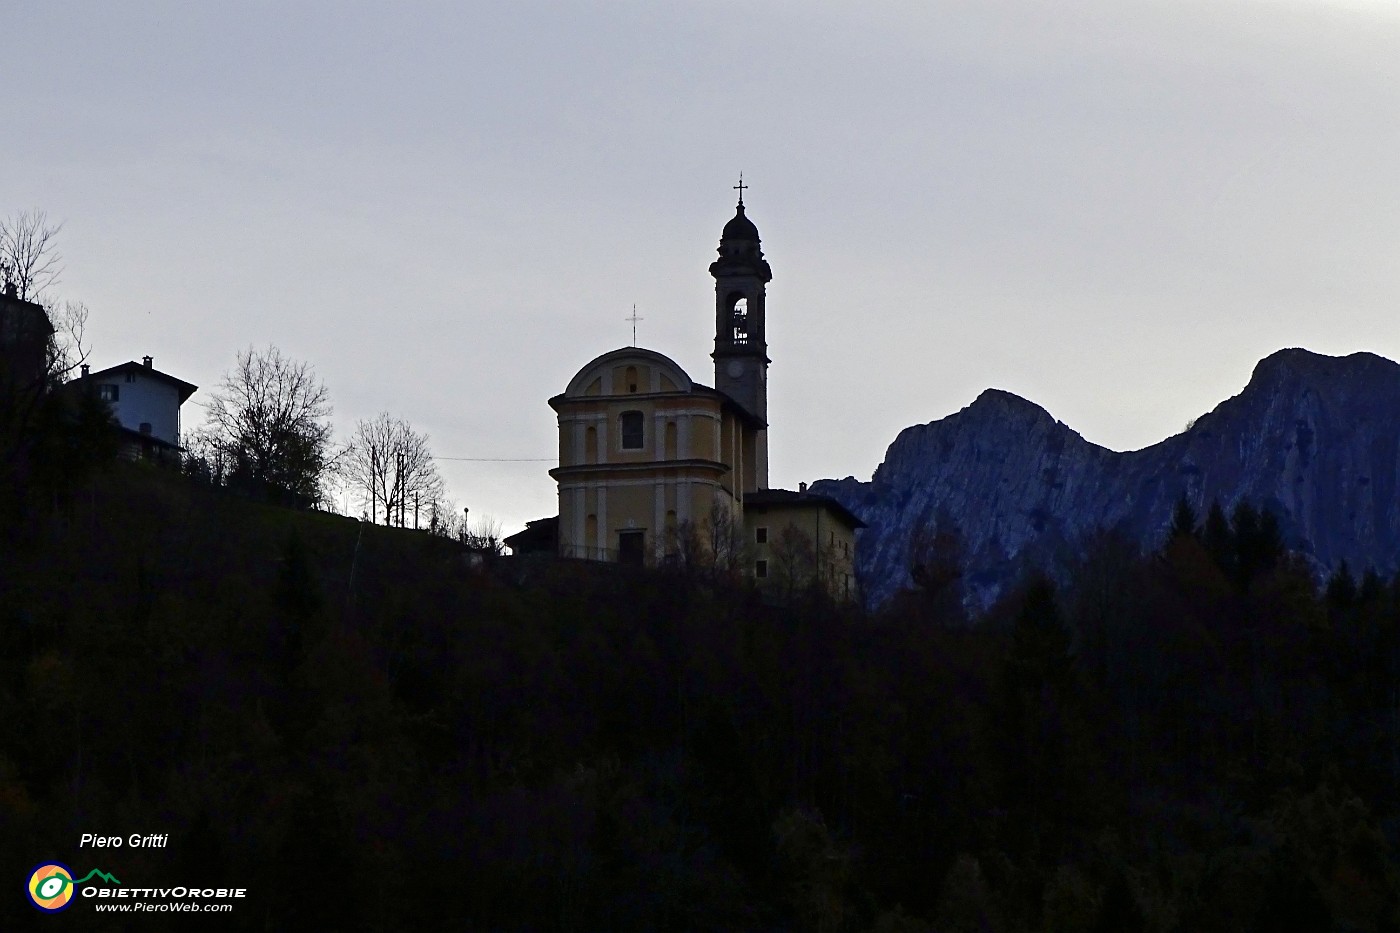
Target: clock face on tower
[[735, 369]]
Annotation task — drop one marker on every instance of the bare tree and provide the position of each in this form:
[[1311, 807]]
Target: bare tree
[[28, 258], [270, 422], [726, 539], [392, 470], [30, 265], [484, 535], [445, 520], [712, 547], [936, 561], [68, 348], [796, 561], [42, 343]]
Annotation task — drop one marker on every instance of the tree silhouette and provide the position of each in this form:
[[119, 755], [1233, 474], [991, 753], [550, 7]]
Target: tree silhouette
[[391, 467], [1183, 520], [270, 419]]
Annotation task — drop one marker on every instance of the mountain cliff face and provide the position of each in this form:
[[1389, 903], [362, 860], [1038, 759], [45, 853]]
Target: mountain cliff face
[[1315, 439]]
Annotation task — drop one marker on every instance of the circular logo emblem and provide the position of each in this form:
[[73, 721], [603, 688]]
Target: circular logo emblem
[[51, 887]]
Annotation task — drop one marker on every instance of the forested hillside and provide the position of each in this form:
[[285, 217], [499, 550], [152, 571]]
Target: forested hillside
[[368, 732]]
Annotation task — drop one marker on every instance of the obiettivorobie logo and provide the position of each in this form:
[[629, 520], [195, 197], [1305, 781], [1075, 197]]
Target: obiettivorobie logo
[[51, 885]]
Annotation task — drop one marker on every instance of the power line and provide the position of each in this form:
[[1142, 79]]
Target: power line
[[500, 459]]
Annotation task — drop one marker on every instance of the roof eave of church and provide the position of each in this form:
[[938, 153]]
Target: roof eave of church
[[728, 401], [563, 397], [637, 466]]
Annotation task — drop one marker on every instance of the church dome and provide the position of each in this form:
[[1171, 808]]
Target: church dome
[[740, 228], [740, 252]]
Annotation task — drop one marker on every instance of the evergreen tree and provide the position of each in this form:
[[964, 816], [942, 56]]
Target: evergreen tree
[[1244, 523], [1269, 546], [1372, 588], [1218, 540], [1341, 588], [1183, 520]]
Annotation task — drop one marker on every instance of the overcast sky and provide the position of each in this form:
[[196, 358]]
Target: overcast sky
[[1111, 208]]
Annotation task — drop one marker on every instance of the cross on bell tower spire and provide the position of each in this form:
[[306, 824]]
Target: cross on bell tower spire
[[740, 188]]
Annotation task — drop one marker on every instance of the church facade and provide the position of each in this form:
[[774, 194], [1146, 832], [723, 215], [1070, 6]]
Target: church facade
[[653, 465]]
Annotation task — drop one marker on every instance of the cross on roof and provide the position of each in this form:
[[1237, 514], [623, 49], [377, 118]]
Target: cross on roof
[[634, 319], [740, 188]]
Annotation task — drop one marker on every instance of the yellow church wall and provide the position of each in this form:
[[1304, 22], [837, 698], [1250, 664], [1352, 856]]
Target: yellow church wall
[[674, 427], [593, 512]]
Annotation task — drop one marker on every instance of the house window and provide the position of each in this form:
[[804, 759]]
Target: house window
[[760, 535], [633, 437], [130, 377], [760, 568], [108, 392]]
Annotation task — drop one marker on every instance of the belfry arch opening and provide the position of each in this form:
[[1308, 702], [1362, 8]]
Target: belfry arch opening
[[738, 320]]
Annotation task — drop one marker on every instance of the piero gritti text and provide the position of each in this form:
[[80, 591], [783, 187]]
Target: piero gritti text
[[134, 841]]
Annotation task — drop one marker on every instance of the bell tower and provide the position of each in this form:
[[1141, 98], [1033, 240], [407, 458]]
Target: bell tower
[[741, 347]]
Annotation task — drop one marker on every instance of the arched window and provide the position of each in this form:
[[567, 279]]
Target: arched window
[[631, 378], [739, 319], [633, 430]]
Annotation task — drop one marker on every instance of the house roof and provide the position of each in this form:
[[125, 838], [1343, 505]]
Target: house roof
[[787, 499], [185, 388], [540, 534]]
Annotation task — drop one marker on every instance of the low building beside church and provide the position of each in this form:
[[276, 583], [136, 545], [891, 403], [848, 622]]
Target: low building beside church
[[652, 462], [798, 539]]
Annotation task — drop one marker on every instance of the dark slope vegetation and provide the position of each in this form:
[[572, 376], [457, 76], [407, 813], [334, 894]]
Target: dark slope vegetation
[[1170, 743]]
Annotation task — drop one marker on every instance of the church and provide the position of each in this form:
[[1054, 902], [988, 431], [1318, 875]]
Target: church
[[656, 467]]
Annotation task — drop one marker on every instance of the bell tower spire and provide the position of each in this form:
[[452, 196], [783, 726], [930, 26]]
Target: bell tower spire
[[741, 348]]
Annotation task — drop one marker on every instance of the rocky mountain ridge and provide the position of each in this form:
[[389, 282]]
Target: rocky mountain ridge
[[1313, 438]]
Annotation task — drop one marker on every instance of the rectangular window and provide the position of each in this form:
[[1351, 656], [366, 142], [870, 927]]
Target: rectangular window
[[760, 569], [633, 434], [108, 392], [130, 377], [631, 547], [760, 535]]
